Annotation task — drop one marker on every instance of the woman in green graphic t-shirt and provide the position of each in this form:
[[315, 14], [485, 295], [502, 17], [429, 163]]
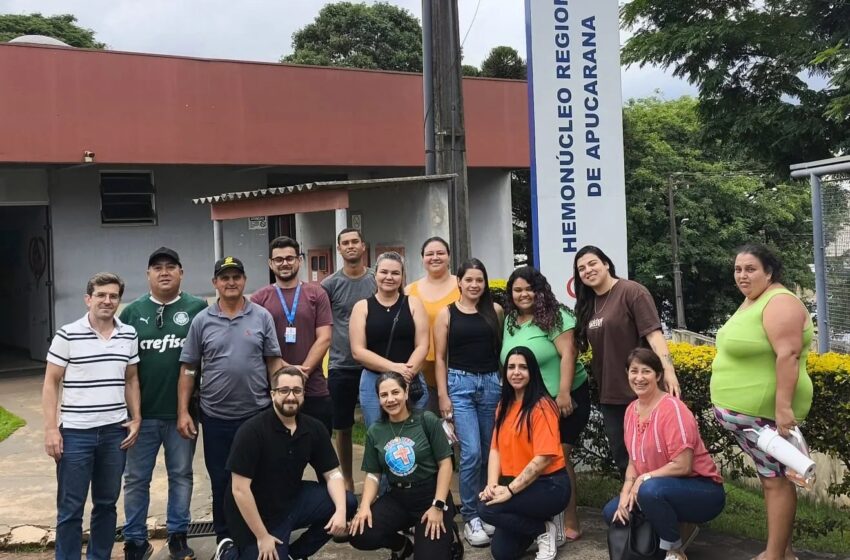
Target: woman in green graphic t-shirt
[[759, 379], [411, 449]]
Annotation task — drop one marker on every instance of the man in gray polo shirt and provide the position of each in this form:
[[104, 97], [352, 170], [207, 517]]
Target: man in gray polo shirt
[[235, 343]]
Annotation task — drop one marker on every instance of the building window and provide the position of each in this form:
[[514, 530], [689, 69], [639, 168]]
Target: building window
[[127, 198]]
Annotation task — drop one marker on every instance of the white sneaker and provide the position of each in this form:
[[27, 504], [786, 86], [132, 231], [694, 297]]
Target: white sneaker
[[223, 549], [474, 533], [547, 547], [675, 555], [560, 534], [489, 529]]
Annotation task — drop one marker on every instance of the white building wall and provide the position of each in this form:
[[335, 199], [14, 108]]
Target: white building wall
[[491, 227]]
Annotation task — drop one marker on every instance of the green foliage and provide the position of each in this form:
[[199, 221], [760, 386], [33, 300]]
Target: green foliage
[[760, 68], [379, 36], [470, 70], [504, 62], [63, 27], [9, 423], [825, 427], [725, 205], [522, 217]]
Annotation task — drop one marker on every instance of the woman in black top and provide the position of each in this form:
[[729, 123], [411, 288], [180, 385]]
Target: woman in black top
[[388, 332], [467, 340]]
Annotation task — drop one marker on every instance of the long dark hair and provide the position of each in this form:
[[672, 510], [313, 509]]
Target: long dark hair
[[398, 378], [535, 392], [485, 305], [547, 308], [769, 261], [585, 295]]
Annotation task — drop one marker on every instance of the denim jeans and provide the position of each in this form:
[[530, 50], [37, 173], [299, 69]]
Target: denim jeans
[[669, 500], [310, 509], [141, 459], [370, 406], [474, 399], [519, 520], [218, 437], [91, 457]]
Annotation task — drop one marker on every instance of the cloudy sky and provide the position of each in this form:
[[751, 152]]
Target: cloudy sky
[[262, 30]]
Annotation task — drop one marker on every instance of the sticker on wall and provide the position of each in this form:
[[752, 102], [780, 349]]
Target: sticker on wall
[[257, 222]]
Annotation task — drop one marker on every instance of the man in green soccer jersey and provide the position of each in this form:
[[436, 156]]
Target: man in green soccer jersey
[[161, 318]]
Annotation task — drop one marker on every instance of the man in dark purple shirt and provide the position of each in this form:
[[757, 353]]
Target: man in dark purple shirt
[[303, 321]]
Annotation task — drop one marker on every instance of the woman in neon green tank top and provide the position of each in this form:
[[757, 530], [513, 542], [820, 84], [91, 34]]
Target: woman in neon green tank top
[[759, 379]]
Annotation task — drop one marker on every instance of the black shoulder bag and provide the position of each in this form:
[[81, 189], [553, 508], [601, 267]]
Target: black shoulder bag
[[415, 388], [636, 540]]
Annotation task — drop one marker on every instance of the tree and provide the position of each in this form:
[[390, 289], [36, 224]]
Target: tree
[[725, 205], [470, 70], [380, 36], [63, 27], [760, 67], [504, 62]]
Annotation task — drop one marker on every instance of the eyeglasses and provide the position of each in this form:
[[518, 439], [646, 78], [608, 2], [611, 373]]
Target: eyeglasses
[[281, 260], [297, 391], [159, 312]]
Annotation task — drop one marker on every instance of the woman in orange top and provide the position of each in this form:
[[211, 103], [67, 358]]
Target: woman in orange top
[[437, 290], [527, 482]]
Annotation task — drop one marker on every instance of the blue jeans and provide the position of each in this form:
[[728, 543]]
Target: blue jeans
[[474, 399], [370, 406], [218, 438], [519, 520], [311, 508], [670, 500], [141, 459], [91, 457]]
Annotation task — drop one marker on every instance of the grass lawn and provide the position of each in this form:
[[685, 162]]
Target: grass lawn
[[8, 423], [819, 527]]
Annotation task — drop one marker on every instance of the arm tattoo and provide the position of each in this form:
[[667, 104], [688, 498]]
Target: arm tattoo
[[530, 473]]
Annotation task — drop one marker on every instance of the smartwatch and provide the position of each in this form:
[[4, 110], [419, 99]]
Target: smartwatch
[[440, 504]]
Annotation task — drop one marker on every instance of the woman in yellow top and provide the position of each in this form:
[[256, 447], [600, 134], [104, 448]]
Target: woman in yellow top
[[759, 379], [437, 290]]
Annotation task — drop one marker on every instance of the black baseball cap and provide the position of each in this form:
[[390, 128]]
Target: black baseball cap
[[164, 252], [227, 263]]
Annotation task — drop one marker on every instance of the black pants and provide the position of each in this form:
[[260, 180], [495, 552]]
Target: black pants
[[400, 509], [613, 416], [320, 408]]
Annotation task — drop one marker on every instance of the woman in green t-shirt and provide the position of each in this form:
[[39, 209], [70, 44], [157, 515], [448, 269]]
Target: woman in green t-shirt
[[412, 450], [759, 379], [535, 319]]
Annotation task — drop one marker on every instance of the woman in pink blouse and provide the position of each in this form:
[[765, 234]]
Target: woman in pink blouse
[[671, 477]]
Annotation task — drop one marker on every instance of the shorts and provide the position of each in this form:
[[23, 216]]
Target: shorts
[[320, 408], [344, 385], [573, 425], [736, 423]]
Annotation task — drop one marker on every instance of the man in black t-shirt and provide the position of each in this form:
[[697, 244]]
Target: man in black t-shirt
[[268, 498]]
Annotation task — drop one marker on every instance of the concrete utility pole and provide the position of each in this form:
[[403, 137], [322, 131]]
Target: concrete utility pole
[[445, 135], [677, 271]]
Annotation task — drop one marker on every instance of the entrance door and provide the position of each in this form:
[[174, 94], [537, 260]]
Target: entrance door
[[319, 264]]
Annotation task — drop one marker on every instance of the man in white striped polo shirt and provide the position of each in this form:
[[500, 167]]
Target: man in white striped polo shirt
[[94, 358]]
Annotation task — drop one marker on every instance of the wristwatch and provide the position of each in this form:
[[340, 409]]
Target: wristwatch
[[440, 504], [645, 477]]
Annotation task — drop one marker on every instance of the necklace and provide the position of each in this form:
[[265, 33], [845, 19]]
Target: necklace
[[465, 309], [607, 296], [385, 306], [403, 424]]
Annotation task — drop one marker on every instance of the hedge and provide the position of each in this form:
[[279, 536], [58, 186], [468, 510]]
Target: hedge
[[826, 427]]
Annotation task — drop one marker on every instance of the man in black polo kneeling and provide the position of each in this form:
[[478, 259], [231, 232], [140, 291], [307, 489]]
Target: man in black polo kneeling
[[268, 498]]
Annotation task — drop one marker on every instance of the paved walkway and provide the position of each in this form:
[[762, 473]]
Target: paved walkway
[[28, 498]]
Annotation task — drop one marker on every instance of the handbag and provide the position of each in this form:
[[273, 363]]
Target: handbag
[[635, 540], [415, 388]]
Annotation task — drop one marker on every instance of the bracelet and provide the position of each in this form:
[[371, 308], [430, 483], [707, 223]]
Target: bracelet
[[508, 486]]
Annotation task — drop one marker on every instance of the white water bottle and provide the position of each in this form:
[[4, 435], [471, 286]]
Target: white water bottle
[[792, 452]]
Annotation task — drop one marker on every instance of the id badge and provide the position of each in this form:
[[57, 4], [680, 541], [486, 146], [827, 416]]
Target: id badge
[[289, 335]]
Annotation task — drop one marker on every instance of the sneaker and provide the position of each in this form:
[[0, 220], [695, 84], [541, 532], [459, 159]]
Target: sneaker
[[675, 555], [489, 529], [474, 533], [225, 550], [689, 533], [404, 553], [560, 534], [547, 547], [178, 548], [134, 551]]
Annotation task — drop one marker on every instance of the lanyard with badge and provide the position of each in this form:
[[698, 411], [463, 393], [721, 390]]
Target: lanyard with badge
[[289, 333]]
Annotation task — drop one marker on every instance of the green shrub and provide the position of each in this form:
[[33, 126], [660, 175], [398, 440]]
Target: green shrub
[[826, 427]]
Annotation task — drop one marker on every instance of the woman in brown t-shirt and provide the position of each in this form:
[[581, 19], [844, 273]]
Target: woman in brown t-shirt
[[615, 315]]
